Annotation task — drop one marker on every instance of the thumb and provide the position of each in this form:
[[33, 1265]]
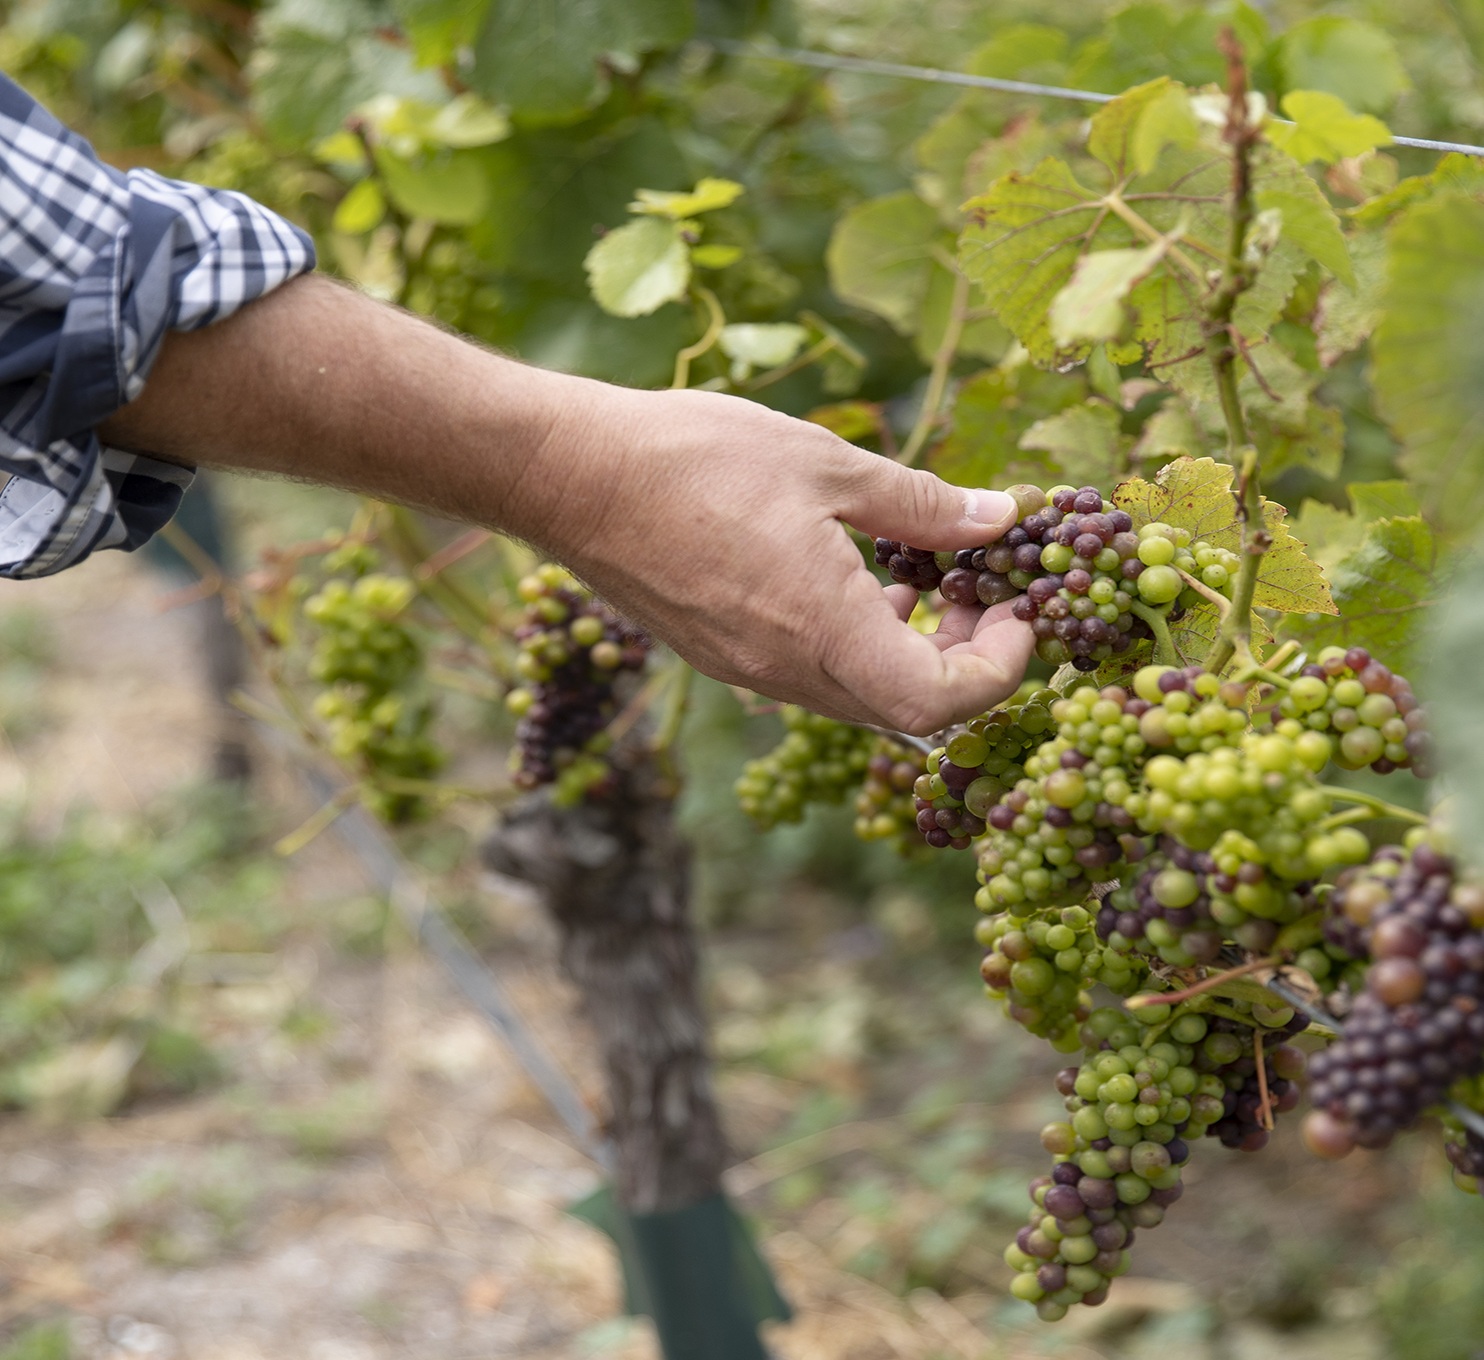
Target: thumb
[[886, 500]]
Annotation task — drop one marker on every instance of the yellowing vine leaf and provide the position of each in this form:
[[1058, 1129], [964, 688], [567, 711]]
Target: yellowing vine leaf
[[1197, 494]]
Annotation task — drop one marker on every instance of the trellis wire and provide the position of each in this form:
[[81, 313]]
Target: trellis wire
[[829, 61]]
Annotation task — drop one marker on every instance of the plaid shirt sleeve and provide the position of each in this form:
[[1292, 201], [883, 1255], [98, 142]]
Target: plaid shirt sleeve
[[96, 265]]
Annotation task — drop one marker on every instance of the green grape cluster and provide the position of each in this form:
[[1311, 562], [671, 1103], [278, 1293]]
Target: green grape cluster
[[573, 650], [1122, 768], [1042, 966], [1148, 1087], [1369, 714], [975, 767], [368, 659], [819, 760], [884, 805]]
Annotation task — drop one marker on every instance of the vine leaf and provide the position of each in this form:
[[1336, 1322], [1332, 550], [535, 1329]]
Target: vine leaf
[[1428, 352], [1171, 432], [1091, 307], [545, 58], [1333, 534], [1348, 57], [1325, 129], [1455, 172], [639, 267], [1022, 243], [994, 409], [1028, 232], [1347, 314], [1197, 494], [708, 195], [1316, 442], [1309, 222], [880, 257], [1085, 441], [760, 344], [1382, 588]]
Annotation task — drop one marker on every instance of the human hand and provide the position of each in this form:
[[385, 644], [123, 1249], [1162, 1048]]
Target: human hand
[[718, 524]]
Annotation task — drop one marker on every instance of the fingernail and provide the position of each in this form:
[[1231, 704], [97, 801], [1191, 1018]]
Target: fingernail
[[990, 508]]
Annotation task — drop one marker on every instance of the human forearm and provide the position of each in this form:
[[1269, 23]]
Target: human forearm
[[713, 521], [318, 382]]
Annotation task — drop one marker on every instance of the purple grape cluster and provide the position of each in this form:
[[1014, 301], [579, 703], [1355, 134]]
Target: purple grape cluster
[[1418, 1026], [573, 648], [1070, 562]]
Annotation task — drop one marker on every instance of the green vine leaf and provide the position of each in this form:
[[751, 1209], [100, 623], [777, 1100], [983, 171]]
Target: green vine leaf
[[1348, 313], [1332, 534], [1084, 440], [1317, 442], [1325, 129], [1382, 589], [1428, 353], [1022, 244], [1090, 307], [1280, 182], [1197, 494], [1171, 432], [880, 257], [1455, 173], [639, 267], [1347, 57], [546, 59], [994, 409]]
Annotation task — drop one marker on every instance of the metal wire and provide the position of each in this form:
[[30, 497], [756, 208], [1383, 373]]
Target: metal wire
[[829, 61]]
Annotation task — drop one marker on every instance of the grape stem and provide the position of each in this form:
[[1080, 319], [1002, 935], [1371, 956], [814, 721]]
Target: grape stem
[[1265, 1102], [1206, 984], [1165, 651], [1223, 605], [1378, 806], [1242, 136], [919, 744], [716, 320], [932, 398]]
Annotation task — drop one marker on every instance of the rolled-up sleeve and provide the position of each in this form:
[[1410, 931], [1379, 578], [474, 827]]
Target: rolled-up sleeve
[[96, 265]]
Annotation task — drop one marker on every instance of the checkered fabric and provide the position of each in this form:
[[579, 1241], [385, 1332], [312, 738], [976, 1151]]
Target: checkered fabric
[[96, 264]]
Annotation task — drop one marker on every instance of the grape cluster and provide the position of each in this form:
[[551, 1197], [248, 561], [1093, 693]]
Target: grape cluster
[[884, 806], [1076, 570], [573, 649], [1042, 966], [368, 659], [819, 760], [1368, 712], [1418, 1026], [975, 767], [1147, 1088]]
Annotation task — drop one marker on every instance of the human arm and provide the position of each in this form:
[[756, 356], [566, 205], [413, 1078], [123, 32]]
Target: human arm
[[711, 520]]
